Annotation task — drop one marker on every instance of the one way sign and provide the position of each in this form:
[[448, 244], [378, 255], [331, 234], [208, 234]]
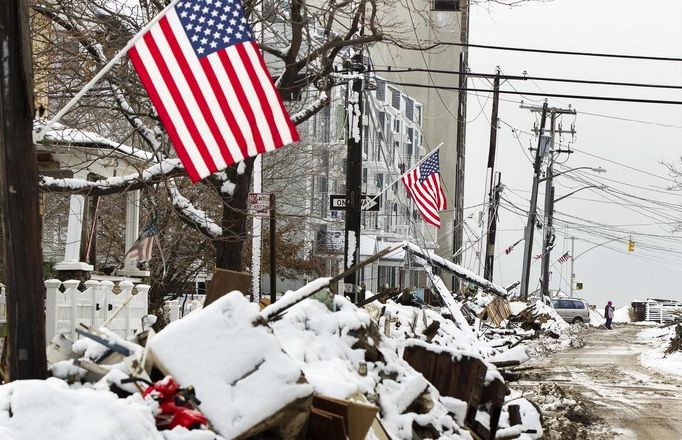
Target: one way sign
[[337, 202]]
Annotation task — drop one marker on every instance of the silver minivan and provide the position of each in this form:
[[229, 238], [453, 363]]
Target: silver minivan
[[573, 310]]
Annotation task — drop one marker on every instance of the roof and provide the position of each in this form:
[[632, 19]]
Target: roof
[[60, 134]]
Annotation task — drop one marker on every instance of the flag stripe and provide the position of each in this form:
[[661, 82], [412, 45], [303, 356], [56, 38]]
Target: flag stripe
[[224, 89], [252, 101], [226, 67], [189, 94], [274, 96], [192, 70], [177, 97], [168, 110], [172, 130], [260, 94]]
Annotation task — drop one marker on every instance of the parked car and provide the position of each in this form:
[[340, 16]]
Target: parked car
[[573, 310]]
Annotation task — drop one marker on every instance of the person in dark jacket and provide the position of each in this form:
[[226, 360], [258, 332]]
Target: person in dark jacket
[[608, 314]]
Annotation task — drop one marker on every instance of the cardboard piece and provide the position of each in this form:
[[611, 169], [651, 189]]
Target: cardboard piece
[[225, 281], [357, 416]]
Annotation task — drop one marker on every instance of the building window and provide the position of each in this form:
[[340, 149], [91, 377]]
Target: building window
[[445, 5], [395, 98], [325, 124], [364, 176], [322, 184], [380, 181], [409, 109], [381, 90]]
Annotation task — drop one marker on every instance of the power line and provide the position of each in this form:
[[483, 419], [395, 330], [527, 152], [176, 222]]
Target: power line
[[550, 95], [526, 78], [564, 52]]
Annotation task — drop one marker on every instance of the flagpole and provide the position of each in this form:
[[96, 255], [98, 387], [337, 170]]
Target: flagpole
[[95, 79], [387, 187]]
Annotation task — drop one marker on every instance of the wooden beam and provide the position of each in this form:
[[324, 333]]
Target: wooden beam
[[19, 198]]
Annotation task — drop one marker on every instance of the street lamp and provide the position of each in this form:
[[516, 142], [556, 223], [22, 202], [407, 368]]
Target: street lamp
[[595, 169], [580, 189], [549, 217]]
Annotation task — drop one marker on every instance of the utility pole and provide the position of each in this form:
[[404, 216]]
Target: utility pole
[[493, 194], [458, 224], [532, 214], [548, 241], [492, 228], [19, 197], [354, 178]]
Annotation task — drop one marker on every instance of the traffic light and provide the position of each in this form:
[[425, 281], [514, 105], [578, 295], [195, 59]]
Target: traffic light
[[578, 286], [631, 246]]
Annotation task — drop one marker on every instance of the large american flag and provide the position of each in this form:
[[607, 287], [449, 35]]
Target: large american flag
[[207, 79], [423, 184]]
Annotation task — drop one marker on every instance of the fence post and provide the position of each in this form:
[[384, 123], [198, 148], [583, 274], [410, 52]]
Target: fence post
[[51, 292], [91, 291], [143, 299], [126, 289], [72, 294]]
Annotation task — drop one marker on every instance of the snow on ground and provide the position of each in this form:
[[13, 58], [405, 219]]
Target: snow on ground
[[655, 358], [49, 409], [622, 314]]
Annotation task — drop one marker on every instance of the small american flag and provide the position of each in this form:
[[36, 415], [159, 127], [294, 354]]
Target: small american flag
[[511, 248], [209, 84], [141, 250], [423, 184], [564, 258]]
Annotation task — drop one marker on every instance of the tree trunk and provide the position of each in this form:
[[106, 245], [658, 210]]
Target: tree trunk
[[235, 209]]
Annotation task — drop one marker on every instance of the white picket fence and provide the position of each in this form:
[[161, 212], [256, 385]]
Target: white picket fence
[[173, 309], [662, 311], [66, 309]]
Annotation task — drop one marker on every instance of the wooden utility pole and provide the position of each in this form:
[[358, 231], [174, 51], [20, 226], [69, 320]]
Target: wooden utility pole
[[493, 194], [492, 228], [532, 214], [19, 197]]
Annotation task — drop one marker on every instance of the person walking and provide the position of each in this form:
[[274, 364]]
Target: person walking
[[608, 314]]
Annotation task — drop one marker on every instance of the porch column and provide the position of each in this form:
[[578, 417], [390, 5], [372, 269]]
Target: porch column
[[132, 233], [71, 262]]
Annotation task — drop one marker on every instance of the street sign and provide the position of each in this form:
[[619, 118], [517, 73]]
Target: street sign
[[337, 202], [259, 204]]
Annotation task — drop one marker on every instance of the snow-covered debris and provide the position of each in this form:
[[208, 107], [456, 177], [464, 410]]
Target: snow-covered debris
[[236, 365], [517, 354], [49, 409], [342, 354], [460, 271], [659, 357]]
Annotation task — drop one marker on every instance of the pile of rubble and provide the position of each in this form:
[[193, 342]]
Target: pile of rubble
[[313, 365]]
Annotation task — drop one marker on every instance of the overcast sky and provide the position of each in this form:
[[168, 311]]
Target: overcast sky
[[634, 203]]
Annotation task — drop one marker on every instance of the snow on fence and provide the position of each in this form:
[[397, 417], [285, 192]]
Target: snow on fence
[[662, 311], [173, 309], [67, 307]]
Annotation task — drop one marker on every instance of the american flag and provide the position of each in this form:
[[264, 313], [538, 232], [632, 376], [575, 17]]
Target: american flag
[[511, 248], [141, 250], [209, 84], [564, 258], [423, 184]]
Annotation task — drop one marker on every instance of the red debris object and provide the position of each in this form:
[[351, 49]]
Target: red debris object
[[177, 405]]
